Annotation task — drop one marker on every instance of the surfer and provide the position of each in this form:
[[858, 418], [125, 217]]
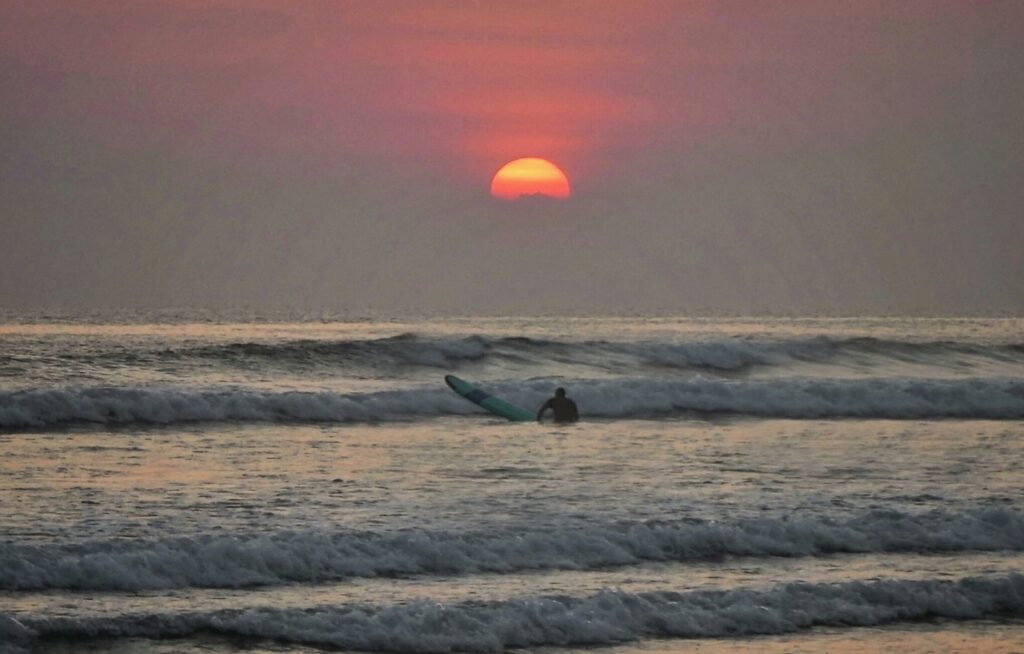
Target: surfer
[[562, 407]]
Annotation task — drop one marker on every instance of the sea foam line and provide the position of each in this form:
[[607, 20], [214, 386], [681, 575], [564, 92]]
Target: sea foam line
[[605, 618], [232, 561], [720, 353], [726, 354], [895, 398]]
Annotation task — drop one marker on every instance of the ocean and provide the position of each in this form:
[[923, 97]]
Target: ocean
[[200, 482]]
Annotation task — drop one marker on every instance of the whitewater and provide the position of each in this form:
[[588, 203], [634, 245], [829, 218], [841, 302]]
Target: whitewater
[[196, 482]]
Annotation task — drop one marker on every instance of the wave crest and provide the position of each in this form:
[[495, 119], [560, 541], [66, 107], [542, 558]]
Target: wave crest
[[995, 398], [606, 618], [239, 561], [721, 354], [411, 350]]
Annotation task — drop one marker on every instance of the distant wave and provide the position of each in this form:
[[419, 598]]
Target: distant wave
[[401, 350], [451, 353], [233, 561], [606, 618], [994, 398], [724, 354]]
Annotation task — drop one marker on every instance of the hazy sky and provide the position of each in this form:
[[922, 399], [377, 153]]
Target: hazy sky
[[743, 157]]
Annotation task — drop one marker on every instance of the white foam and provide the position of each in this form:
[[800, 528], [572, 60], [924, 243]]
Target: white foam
[[993, 398], [606, 618], [237, 561], [39, 408], [806, 398], [391, 356], [723, 354]]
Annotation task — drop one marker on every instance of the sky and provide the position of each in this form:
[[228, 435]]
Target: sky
[[797, 157]]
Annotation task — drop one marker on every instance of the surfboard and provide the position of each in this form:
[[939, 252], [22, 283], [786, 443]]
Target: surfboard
[[486, 400]]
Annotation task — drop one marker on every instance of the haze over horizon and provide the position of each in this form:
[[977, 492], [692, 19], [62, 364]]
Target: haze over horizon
[[797, 157]]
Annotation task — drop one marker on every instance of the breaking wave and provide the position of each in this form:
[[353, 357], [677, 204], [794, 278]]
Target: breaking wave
[[235, 561], [991, 398], [724, 354], [605, 618], [729, 355]]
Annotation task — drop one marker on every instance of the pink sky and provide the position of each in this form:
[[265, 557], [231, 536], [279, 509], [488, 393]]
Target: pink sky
[[472, 85], [733, 155]]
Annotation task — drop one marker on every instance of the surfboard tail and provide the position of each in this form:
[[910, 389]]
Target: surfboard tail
[[485, 400]]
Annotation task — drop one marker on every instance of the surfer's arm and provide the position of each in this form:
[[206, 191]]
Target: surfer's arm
[[544, 407]]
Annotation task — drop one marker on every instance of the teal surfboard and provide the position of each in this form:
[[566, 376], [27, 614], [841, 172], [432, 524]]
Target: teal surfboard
[[488, 401]]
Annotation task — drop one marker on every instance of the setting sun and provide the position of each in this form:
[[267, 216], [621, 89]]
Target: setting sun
[[529, 176]]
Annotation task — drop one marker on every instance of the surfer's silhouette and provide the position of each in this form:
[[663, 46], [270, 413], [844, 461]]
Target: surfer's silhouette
[[562, 407]]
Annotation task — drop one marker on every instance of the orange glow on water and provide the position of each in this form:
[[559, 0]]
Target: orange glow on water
[[529, 176]]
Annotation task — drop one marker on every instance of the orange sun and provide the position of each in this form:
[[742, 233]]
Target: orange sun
[[529, 176]]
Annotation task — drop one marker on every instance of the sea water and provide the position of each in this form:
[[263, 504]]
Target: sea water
[[186, 482]]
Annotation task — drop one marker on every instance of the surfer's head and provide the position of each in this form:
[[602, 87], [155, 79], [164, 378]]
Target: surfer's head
[[559, 392]]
